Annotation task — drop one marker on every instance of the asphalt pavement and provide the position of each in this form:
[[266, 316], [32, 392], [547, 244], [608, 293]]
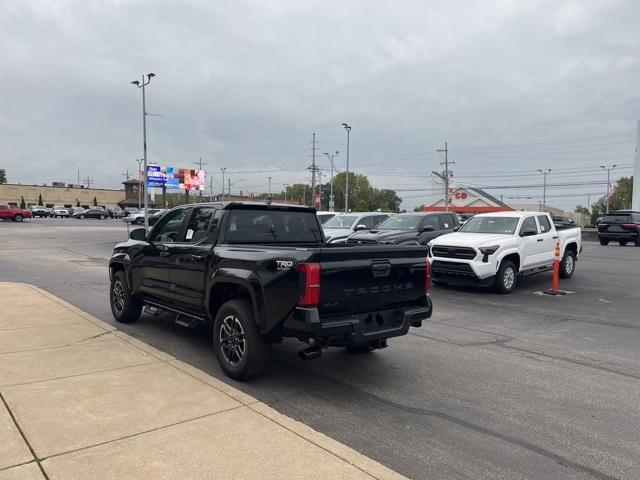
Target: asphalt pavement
[[518, 386]]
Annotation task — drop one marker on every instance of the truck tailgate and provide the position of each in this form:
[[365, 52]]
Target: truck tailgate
[[361, 279]]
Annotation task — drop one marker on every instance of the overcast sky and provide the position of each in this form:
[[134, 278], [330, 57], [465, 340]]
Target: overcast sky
[[513, 86]]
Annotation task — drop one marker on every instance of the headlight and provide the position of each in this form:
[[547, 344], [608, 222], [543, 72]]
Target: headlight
[[486, 251]]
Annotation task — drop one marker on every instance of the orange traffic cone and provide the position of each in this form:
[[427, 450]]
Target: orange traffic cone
[[556, 274]]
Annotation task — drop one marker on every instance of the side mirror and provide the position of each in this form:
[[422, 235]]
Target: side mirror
[[138, 234], [428, 228], [528, 233], [360, 227]]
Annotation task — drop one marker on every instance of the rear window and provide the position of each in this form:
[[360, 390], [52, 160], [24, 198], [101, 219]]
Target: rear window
[[402, 222], [341, 221], [622, 218], [272, 226]]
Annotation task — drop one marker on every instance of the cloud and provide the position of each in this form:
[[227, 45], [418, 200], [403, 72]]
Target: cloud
[[244, 84]]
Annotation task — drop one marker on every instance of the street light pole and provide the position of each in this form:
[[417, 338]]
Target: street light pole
[[223, 170], [346, 183], [331, 157], [544, 188], [144, 142], [269, 186], [285, 185], [139, 160], [608, 169]]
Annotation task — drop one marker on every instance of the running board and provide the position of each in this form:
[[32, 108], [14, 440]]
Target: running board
[[183, 318], [533, 271]]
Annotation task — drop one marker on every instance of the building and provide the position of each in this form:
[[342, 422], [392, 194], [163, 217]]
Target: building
[[537, 207], [59, 195], [468, 200]]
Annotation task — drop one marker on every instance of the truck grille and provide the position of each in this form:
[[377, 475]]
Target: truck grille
[[451, 268], [465, 253]]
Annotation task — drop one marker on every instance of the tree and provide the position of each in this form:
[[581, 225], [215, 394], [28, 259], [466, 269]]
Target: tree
[[581, 209], [3, 176], [299, 192], [95, 202], [620, 199], [40, 199], [22, 203]]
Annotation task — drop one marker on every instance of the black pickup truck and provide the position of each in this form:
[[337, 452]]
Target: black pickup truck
[[258, 273]]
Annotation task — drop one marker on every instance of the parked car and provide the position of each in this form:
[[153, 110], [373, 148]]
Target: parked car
[[496, 248], [39, 211], [416, 228], [260, 273], [7, 212], [115, 212], [138, 218], [96, 212], [338, 229], [621, 226], [60, 212], [129, 211], [324, 216]]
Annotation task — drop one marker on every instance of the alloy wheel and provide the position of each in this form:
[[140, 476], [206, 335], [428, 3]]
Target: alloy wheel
[[232, 341], [117, 296], [509, 278]]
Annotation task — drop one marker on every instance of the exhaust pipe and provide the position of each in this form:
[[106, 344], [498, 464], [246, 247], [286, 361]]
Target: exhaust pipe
[[310, 353]]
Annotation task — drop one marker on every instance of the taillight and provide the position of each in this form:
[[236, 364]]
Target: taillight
[[630, 225], [427, 277], [311, 294]]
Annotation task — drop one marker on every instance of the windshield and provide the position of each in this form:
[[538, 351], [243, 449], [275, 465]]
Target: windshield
[[273, 226], [491, 225], [401, 222], [341, 221]]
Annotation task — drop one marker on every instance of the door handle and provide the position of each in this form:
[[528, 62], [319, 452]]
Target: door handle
[[541, 239], [197, 257], [164, 253], [556, 237]]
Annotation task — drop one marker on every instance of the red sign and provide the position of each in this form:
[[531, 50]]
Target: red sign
[[461, 195]]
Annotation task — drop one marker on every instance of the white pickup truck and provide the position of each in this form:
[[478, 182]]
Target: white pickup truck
[[496, 248]]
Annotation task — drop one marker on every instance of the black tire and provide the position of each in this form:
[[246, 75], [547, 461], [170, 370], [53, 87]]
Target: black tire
[[102, 217], [126, 308], [81, 216], [139, 221], [568, 264], [637, 242], [242, 351], [506, 278], [622, 242], [604, 241], [18, 218]]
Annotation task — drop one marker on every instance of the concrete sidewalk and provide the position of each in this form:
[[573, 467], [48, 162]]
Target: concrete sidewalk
[[82, 400]]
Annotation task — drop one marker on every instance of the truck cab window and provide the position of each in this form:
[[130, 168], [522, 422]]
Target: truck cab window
[[198, 224], [168, 230]]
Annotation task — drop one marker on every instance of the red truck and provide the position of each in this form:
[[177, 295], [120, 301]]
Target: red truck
[[15, 214]]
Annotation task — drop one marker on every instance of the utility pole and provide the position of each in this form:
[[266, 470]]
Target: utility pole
[[544, 173], [331, 157], [446, 174], [79, 177], [126, 175], [269, 186], [229, 181], [144, 143], [286, 186], [200, 163], [211, 188], [223, 170], [313, 171], [346, 182], [88, 181], [320, 189], [608, 169]]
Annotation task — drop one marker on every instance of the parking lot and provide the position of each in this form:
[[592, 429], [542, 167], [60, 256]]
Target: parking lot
[[493, 386]]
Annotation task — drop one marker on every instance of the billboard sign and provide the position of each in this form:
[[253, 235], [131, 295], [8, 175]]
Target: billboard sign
[[178, 179]]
